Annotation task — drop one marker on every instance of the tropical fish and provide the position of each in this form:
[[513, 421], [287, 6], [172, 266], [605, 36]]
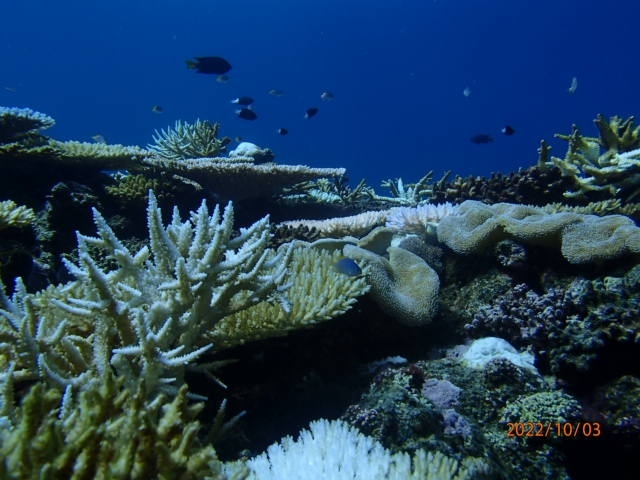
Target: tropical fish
[[282, 131], [347, 266], [508, 130], [311, 112], [275, 92], [246, 114], [157, 109], [327, 95], [481, 138], [210, 65], [246, 101]]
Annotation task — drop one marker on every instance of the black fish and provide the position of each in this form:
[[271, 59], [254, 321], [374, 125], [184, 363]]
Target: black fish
[[508, 130], [246, 101], [213, 65], [282, 131], [311, 112], [246, 114], [481, 138]]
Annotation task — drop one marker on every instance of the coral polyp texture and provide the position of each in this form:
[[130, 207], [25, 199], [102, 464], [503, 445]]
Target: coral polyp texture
[[581, 238]]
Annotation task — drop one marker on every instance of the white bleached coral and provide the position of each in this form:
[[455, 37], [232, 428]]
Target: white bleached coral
[[334, 450], [421, 219], [145, 314]]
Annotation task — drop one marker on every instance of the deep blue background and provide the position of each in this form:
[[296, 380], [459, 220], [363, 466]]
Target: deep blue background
[[397, 68]]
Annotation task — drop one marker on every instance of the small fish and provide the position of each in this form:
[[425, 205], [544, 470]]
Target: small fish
[[348, 267], [282, 131], [466, 92], [508, 130], [209, 65], [246, 114], [222, 78], [311, 112], [11, 89], [574, 85], [481, 138], [99, 138], [246, 101], [327, 95], [238, 139], [275, 92], [157, 109]]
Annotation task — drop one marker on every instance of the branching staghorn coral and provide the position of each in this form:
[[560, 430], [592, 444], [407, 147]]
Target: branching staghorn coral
[[147, 315], [186, 140], [614, 172], [409, 194]]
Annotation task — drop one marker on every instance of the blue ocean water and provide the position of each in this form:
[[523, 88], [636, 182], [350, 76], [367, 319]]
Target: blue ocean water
[[397, 68]]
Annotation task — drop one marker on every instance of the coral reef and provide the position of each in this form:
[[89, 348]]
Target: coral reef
[[333, 449], [144, 314], [13, 215], [444, 406], [354, 225], [534, 185], [421, 220], [189, 140], [581, 238], [598, 174], [22, 124], [316, 291], [567, 326], [108, 433], [239, 180], [404, 286]]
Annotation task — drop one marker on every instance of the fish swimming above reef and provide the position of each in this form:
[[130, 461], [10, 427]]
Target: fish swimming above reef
[[222, 78], [481, 138], [275, 92], [327, 96], [246, 114], [282, 131], [209, 65], [348, 267], [246, 101], [466, 92], [311, 112], [157, 109], [508, 130]]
